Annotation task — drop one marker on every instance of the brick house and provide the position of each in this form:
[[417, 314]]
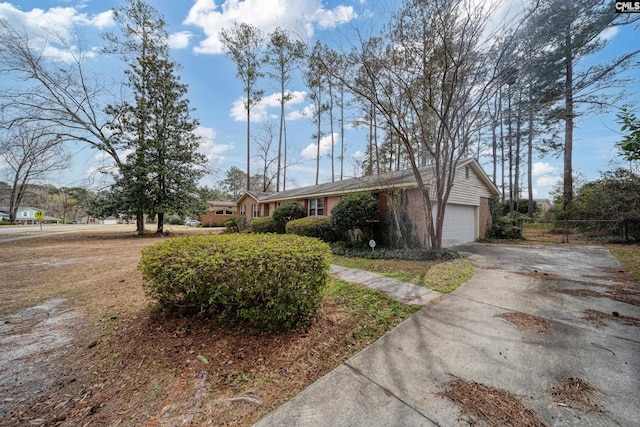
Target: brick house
[[467, 215]]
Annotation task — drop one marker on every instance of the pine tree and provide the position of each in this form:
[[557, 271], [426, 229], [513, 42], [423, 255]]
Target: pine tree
[[284, 56], [162, 172], [566, 34]]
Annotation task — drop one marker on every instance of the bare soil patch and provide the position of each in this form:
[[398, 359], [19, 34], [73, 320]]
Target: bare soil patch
[[494, 406], [526, 321], [596, 318], [544, 233], [577, 394], [107, 359], [616, 294]]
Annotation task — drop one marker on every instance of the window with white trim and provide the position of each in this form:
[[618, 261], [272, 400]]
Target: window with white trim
[[243, 210], [316, 207], [256, 211]]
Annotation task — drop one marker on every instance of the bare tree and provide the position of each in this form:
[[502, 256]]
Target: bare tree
[[315, 77], [429, 82], [29, 155], [265, 151], [244, 45], [60, 94]]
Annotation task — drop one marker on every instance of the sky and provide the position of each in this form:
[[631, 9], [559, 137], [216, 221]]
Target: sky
[[217, 95]]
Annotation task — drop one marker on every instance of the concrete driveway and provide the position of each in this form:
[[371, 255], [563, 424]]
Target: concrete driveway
[[398, 380]]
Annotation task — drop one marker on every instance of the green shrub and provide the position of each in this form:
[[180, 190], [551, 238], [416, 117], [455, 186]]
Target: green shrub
[[312, 227], [355, 212], [409, 254], [175, 220], [231, 224], [269, 282], [242, 223], [263, 225], [507, 227], [287, 211]]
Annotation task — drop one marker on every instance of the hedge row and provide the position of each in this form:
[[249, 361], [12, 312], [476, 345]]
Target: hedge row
[[312, 227], [263, 225], [269, 282], [410, 254]]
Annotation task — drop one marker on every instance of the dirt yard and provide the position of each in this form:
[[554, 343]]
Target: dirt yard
[[80, 346]]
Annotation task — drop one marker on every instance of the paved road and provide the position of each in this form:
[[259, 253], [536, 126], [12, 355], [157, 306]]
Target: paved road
[[397, 381]]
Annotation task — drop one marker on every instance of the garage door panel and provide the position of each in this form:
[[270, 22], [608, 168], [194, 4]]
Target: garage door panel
[[459, 225]]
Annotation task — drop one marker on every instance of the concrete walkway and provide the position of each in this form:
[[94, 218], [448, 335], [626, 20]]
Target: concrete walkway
[[398, 380], [404, 292]]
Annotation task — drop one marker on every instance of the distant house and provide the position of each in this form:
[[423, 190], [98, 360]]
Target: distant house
[[545, 205], [467, 215], [26, 215], [110, 220], [219, 211]]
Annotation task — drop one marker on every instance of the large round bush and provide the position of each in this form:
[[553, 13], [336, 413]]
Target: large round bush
[[312, 227], [355, 211], [287, 211], [263, 225], [269, 282]]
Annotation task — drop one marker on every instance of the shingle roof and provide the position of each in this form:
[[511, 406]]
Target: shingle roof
[[398, 179]]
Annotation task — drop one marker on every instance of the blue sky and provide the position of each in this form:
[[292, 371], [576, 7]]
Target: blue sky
[[216, 94]]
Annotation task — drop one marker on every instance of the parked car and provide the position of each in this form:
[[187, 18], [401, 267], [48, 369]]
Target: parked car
[[192, 223]]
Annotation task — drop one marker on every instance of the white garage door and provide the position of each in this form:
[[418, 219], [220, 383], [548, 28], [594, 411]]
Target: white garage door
[[459, 225]]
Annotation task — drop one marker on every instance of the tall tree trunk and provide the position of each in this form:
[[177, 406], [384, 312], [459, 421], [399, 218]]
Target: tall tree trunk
[[333, 174], [342, 133], [530, 157], [280, 136], [502, 163], [510, 140], [494, 143], [284, 168], [140, 223], [370, 166], [516, 177], [319, 138], [160, 226], [248, 142], [567, 193]]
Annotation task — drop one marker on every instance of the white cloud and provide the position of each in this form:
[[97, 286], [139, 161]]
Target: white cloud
[[608, 34], [260, 111], [328, 19], [50, 31], [547, 181], [61, 20], [179, 40], [103, 20], [543, 168], [212, 151], [358, 155], [311, 151], [296, 16]]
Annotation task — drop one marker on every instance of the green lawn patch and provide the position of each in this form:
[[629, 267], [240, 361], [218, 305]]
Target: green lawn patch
[[629, 257], [375, 313], [441, 276]]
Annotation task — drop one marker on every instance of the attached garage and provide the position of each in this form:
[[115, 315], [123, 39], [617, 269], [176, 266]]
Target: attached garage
[[460, 225]]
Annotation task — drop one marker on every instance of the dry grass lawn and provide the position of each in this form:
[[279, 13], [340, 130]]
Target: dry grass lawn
[[84, 348]]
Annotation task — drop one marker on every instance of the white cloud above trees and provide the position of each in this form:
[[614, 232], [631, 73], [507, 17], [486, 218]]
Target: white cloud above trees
[[299, 17]]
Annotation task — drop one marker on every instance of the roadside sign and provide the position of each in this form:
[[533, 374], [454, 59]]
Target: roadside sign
[[39, 215]]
